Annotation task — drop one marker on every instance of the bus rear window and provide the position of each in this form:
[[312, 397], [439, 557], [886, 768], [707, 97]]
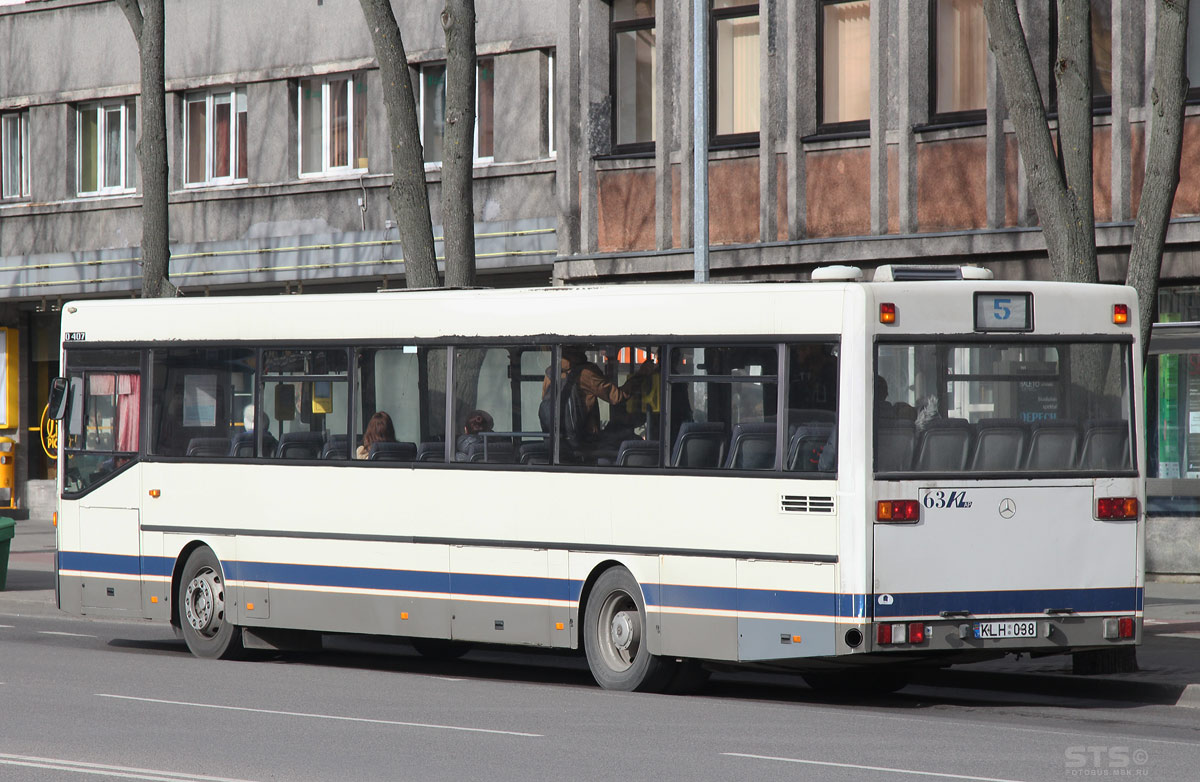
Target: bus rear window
[[1026, 407]]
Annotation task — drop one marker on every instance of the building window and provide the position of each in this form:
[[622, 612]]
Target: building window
[[844, 59], [215, 137], [735, 70], [959, 89], [107, 156], [633, 64], [14, 154], [1101, 29], [333, 124], [550, 81], [433, 110]]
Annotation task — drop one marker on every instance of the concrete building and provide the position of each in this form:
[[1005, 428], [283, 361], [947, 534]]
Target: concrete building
[[843, 131]]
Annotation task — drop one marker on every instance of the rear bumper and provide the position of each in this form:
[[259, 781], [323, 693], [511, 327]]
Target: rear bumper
[[1055, 634]]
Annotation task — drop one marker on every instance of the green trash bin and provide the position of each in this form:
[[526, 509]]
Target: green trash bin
[[8, 528]]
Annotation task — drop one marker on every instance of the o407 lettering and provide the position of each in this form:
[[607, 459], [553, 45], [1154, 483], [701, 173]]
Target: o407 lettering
[[75, 336], [946, 499]]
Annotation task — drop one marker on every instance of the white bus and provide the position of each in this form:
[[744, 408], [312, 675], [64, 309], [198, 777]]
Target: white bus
[[819, 476]]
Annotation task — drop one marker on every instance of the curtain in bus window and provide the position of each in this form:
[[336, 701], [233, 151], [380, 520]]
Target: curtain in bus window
[[128, 388]]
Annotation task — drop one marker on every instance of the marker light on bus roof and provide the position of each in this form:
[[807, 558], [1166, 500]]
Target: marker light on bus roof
[[887, 312], [1120, 314]]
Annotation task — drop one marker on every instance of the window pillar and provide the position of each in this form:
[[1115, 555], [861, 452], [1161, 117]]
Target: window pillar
[[1124, 32], [770, 38], [997, 146], [685, 133], [913, 87], [801, 48], [666, 75], [595, 113], [880, 28]]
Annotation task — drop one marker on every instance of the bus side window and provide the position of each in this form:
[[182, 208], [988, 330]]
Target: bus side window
[[409, 384], [200, 400], [812, 390], [497, 394], [305, 402], [103, 418]]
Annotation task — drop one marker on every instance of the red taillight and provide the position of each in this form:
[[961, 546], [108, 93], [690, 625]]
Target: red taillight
[[883, 634], [1120, 314], [1116, 508], [913, 633], [887, 313], [1125, 627], [897, 510], [916, 633]]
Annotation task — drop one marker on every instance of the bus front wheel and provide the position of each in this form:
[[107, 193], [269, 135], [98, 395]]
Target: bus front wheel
[[615, 635], [203, 620]]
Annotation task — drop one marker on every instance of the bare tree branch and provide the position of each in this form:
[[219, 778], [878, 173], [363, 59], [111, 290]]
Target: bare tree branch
[[458, 147], [408, 194], [1166, 103]]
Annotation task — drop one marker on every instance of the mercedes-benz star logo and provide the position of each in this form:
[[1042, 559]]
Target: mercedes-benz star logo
[[1008, 508]]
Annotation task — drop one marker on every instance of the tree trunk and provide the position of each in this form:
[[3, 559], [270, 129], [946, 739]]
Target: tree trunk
[[1073, 77], [1067, 222], [1167, 96], [148, 23], [458, 156], [408, 195]]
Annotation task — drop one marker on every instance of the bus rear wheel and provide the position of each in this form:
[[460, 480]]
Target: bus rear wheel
[[202, 618], [614, 637]]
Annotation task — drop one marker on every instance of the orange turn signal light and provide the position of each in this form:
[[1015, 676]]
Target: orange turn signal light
[[156, 493], [887, 312], [1120, 314]]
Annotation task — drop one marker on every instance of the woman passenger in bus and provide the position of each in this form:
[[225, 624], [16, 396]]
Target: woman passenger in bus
[[478, 422], [379, 430]]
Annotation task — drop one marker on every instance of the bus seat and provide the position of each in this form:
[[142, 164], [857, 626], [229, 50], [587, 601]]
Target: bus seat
[[752, 447], [999, 445], [243, 445], [637, 453], [337, 446], [1105, 446], [894, 441], [498, 451], [945, 445], [805, 447], [300, 445], [699, 445], [433, 451], [207, 447], [1052, 446], [534, 453], [392, 452]]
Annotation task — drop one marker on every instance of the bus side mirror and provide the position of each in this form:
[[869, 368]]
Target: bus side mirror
[[57, 407]]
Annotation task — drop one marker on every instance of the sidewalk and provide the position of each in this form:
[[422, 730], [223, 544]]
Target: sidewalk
[[1168, 658]]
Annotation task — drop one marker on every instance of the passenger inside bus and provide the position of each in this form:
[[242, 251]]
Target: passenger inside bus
[[594, 386], [472, 444], [379, 430]]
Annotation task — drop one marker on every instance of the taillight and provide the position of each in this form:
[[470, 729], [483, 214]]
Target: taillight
[[897, 510], [883, 634], [1116, 508], [1120, 314], [887, 313], [1125, 627], [911, 633], [916, 633]]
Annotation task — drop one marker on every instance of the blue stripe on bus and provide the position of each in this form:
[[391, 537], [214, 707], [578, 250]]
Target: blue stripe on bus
[[770, 601], [116, 564], [344, 577], [1024, 601]]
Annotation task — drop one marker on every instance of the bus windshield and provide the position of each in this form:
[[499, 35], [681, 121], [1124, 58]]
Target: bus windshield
[[1002, 407]]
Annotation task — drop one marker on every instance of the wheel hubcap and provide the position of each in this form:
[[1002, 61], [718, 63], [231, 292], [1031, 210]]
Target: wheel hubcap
[[204, 602], [620, 631]]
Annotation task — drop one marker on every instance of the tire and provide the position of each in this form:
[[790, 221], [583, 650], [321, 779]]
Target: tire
[[439, 648], [202, 617], [614, 637]]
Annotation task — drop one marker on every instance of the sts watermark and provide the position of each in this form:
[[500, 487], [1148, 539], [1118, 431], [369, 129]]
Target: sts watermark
[[1106, 761]]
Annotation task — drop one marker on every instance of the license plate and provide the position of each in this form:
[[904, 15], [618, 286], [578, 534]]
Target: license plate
[[1026, 629]]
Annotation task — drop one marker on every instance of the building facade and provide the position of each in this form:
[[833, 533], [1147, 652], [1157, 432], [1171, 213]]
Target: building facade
[[842, 131]]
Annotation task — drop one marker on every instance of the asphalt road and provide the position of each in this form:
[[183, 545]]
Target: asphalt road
[[85, 699]]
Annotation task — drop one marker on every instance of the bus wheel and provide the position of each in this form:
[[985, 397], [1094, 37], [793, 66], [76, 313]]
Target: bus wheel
[[206, 629], [614, 636]]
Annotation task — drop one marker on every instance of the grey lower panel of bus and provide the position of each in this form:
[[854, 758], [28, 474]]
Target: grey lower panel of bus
[[779, 639], [98, 596]]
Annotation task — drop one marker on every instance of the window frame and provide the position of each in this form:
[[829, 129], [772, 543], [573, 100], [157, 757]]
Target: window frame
[[352, 153], [128, 112], [476, 160], [551, 79], [717, 15], [21, 118], [850, 128], [962, 117], [614, 29], [237, 97]]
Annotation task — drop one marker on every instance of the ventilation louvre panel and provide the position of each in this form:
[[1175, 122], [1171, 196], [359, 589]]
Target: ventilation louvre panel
[[799, 503]]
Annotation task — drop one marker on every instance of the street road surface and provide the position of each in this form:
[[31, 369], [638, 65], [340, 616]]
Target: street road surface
[[83, 699]]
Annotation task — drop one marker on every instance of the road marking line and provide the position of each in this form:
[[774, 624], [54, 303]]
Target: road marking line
[[124, 772], [323, 716], [7, 627], [870, 768], [70, 635]]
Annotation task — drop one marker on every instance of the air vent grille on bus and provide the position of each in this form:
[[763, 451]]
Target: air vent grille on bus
[[797, 503]]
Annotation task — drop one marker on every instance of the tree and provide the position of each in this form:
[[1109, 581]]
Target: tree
[[147, 19], [1061, 184], [458, 147], [408, 195]]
